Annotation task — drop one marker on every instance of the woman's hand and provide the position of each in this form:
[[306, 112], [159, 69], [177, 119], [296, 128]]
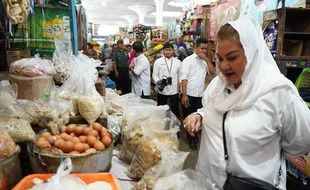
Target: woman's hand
[[192, 123], [184, 100]]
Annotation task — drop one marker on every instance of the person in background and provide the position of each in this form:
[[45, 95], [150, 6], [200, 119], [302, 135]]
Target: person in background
[[193, 73], [131, 53], [181, 49], [120, 67], [107, 52], [263, 117], [141, 72], [166, 74]]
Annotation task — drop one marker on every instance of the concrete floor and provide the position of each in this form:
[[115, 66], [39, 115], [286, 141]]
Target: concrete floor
[[191, 160]]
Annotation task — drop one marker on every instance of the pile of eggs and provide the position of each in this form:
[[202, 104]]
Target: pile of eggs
[[76, 139]]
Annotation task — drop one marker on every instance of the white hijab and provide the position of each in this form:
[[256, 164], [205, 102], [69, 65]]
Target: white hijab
[[260, 76]]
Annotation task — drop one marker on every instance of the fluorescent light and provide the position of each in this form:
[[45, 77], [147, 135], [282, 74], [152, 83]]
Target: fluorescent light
[[168, 14], [177, 4]]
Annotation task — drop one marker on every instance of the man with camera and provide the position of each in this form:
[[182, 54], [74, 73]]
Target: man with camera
[[166, 72], [193, 73]]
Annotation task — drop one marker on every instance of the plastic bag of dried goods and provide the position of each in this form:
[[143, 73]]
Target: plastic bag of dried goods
[[148, 153], [132, 131], [32, 67], [185, 180], [80, 88], [19, 129], [171, 162], [7, 145]]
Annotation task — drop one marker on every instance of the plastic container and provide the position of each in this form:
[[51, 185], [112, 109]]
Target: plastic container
[[11, 169], [33, 88], [27, 182]]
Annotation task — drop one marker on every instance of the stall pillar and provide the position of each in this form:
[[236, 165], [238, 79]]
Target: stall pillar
[[130, 19], [73, 20], [159, 12], [141, 10]]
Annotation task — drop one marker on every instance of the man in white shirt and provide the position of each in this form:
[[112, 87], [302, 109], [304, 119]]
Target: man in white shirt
[[141, 72], [193, 73], [166, 73]]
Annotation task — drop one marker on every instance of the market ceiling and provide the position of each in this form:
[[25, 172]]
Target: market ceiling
[[111, 11]]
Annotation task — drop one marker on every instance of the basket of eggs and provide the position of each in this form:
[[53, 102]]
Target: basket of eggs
[[89, 147]]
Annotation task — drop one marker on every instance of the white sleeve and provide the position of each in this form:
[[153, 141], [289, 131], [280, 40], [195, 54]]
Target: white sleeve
[[185, 69], [295, 119], [140, 67], [156, 72]]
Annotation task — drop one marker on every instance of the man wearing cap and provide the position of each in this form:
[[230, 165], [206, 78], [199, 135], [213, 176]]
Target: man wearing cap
[[120, 67]]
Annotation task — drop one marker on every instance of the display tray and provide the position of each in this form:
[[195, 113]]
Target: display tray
[[27, 182]]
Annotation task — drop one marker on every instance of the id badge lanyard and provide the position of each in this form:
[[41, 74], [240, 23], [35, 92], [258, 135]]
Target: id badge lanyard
[[169, 70]]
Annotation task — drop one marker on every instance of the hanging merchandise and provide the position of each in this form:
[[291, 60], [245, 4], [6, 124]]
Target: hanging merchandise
[[270, 35], [38, 33], [17, 10]]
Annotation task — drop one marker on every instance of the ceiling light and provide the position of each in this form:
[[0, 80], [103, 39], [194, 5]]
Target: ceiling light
[[177, 4], [168, 14]]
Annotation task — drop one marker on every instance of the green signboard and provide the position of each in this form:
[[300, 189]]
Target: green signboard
[[38, 33]]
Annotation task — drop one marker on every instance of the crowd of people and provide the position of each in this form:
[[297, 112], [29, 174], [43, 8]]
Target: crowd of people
[[176, 81]]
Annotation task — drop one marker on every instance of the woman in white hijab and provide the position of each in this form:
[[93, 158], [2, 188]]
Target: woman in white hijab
[[266, 118]]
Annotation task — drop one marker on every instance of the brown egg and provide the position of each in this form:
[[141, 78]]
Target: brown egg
[[58, 143], [97, 127], [63, 135], [46, 134], [75, 140], [91, 140], [93, 133], [86, 130], [47, 149], [104, 129], [74, 152], [106, 140], [86, 146], [68, 138], [57, 137], [70, 128], [79, 147], [41, 139], [83, 139], [51, 139], [99, 146], [68, 146], [72, 135], [105, 133], [63, 129], [42, 144], [78, 131], [90, 150]]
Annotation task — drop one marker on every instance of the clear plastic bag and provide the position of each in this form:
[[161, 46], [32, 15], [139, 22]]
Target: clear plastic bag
[[17, 12], [148, 153], [185, 180], [61, 59], [19, 129], [80, 88], [32, 67], [170, 163], [7, 145], [132, 131]]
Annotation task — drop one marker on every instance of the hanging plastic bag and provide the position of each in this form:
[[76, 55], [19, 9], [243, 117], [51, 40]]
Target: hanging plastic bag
[[148, 153], [17, 12], [132, 131], [185, 180], [80, 88], [171, 162], [61, 59]]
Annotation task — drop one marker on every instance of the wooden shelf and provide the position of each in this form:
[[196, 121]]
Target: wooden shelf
[[297, 34]]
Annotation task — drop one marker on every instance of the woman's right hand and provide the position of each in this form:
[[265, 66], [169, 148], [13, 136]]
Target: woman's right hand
[[192, 123]]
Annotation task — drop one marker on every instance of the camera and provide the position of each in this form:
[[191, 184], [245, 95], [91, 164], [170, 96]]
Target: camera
[[164, 82]]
